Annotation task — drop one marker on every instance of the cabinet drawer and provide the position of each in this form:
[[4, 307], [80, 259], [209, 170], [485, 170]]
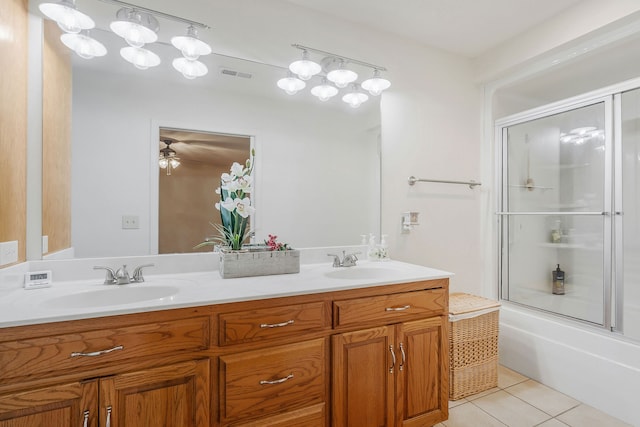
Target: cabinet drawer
[[259, 324], [57, 353], [389, 308], [265, 382]]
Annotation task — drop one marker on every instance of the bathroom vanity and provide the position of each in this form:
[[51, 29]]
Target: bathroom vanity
[[361, 346]]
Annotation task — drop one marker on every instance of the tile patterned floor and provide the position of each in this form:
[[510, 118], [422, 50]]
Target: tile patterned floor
[[521, 402]]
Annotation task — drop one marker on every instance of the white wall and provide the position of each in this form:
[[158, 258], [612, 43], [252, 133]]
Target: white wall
[[316, 170]]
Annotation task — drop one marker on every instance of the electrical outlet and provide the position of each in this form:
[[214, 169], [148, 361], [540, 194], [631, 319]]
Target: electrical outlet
[[130, 222], [8, 252], [45, 244]]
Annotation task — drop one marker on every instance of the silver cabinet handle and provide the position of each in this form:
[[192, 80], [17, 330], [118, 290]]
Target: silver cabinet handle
[[85, 419], [97, 353], [393, 359], [404, 357], [280, 381], [406, 307], [108, 424], [277, 325]]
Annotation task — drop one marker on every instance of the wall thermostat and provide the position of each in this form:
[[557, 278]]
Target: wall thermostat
[[37, 279]]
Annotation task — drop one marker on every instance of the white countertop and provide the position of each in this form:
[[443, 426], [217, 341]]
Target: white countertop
[[82, 299]]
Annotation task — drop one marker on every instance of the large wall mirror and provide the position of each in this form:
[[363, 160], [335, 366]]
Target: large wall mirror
[[317, 174]]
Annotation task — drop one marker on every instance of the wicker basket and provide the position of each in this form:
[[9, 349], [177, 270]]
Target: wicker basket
[[473, 344]]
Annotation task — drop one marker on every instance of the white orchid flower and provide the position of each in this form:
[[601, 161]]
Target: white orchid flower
[[228, 204], [226, 178], [218, 190], [237, 169], [243, 207], [244, 183], [218, 206]]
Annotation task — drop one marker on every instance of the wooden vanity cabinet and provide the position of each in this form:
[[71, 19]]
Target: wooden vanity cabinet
[[136, 370], [373, 356], [395, 374]]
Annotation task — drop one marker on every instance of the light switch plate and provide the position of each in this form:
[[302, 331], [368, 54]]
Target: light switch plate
[[45, 244], [8, 252], [130, 222]]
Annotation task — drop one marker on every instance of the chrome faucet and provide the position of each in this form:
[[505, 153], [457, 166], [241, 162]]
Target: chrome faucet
[[348, 260], [121, 276]]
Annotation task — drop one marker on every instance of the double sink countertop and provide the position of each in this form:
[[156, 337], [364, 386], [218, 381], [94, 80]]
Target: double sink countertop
[[89, 298]]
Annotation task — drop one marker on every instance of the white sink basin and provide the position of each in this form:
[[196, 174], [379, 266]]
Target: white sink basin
[[358, 272], [113, 295]]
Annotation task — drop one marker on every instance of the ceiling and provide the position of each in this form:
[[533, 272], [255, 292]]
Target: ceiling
[[464, 27]]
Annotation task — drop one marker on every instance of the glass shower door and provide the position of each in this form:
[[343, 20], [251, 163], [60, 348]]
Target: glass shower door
[[553, 212]]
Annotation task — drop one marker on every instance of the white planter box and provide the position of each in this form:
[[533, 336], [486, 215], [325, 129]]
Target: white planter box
[[259, 263]]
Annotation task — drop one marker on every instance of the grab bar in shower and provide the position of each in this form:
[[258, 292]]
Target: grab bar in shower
[[471, 184]]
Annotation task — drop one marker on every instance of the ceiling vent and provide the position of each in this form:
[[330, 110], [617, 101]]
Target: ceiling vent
[[234, 73]]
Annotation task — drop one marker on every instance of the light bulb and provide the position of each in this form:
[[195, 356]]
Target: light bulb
[[341, 77], [305, 68], [68, 18], [290, 84], [355, 98], [190, 69], [174, 163], [190, 45], [163, 162], [139, 57], [83, 45], [136, 28], [324, 91], [376, 84]]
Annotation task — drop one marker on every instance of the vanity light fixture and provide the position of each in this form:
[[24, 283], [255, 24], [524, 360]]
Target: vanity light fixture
[[342, 76], [168, 159], [83, 45], [140, 57], [67, 16], [190, 69], [355, 98], [337, 78], [135, 27], [324, 91], [291, 84], [190, 45], [305, 68], [376, 84]]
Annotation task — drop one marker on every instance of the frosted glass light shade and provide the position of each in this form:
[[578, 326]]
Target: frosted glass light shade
[[341, 77], [376, 84], [305, 68], [135, 27], [141, 58], [190, 45], [190, 69], [355, 98], [290, 84], [84, 46], [324, 91], [68, 18]]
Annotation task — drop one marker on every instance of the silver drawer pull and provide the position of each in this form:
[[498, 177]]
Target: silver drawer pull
[[406, 307], [108, 424], [85, 419], [280, 381], [97, 353], [276, 325]]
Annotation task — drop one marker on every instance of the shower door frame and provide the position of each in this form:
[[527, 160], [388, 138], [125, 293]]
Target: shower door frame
[[612, 289]]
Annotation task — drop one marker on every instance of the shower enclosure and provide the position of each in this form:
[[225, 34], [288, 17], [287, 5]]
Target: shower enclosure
[[569, 189]]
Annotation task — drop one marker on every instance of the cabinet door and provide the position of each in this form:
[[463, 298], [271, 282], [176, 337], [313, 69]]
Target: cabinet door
[[168, 396], [423, 376], [67, 405], [363, 378]]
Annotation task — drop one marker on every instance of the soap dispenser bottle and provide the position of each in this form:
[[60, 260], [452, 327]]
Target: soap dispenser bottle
[[372, 253], [558, 281]]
